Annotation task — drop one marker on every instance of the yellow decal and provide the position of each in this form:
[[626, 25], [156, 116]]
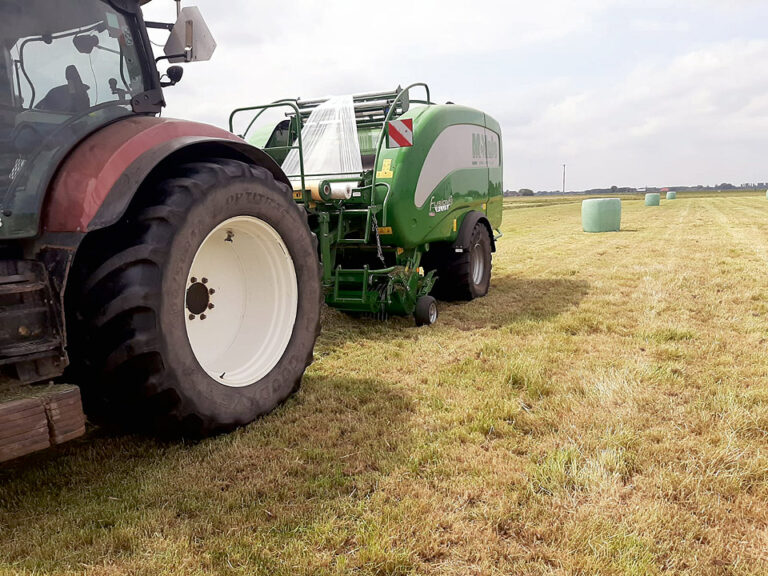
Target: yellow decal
[[385, 230], [485, 206], [386, 169], [454, 224], [400, 251], [298, 195]]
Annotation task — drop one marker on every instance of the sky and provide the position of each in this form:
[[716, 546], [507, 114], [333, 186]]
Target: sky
[[643, 93]]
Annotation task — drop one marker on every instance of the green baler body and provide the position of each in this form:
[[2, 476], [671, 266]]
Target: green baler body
[[404, 200], [453, 167]]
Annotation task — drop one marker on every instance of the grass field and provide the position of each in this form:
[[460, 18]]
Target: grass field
[[603, 411]]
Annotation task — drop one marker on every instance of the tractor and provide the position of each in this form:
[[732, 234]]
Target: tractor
[[160, 265]]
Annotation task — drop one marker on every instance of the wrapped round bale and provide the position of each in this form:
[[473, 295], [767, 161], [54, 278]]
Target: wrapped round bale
[[601, 215], [653, 199], [671, 195]]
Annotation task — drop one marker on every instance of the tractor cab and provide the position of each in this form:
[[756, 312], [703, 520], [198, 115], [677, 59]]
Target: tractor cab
[[66, 69]]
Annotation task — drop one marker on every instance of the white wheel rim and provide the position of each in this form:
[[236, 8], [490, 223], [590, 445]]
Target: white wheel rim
[[432, 313], [478, 263], [241, 300]]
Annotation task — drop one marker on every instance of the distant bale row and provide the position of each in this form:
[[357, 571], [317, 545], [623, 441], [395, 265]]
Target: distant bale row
[[604, 214]]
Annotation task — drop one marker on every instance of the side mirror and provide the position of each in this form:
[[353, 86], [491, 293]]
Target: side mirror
[[174, 74], [190, 40]]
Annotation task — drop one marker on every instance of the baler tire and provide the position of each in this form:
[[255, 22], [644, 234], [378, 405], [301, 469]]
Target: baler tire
[[458, 277], [131, 344], [425, 313]]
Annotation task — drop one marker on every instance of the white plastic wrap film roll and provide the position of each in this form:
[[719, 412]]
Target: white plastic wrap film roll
[[341, 190], [329, 140]]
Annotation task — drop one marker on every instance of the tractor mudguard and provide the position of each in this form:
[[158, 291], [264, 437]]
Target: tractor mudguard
[[463, 240], [96, 183]]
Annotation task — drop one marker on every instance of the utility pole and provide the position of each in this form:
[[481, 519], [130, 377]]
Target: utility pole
[[563, 178]]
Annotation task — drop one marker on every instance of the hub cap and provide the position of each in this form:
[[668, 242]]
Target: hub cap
[[477, 263], [241, 301], [432, 313]]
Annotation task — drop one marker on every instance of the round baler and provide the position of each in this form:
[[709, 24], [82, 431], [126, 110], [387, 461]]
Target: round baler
[[418, 213]]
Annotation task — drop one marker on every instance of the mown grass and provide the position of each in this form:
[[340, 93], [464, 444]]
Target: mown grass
[[603, 411]]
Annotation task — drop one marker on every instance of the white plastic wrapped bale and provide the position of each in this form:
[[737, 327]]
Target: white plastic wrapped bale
[[329, 141], [601, 215]]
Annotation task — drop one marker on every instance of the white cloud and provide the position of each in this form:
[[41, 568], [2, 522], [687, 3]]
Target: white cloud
[[665, 26], [574, 82], [696, 118]]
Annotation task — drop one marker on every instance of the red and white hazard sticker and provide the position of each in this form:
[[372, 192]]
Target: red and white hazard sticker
[[400, 133]]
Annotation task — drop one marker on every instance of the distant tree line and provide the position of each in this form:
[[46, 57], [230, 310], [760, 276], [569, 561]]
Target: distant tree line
[[630, 190]]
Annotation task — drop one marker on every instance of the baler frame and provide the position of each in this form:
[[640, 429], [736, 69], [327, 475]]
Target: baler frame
[[393, 288]]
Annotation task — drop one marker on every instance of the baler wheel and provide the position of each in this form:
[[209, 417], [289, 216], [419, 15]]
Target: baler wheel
[[465, 275], [426, 311], [198, 311]]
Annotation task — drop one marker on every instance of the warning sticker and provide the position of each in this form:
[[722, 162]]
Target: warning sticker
[[400, 133], [386, 169]]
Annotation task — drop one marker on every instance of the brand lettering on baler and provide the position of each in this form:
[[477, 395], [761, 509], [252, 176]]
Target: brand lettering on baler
[[437, 206], [485, 149], [457, 147], [478, 146]]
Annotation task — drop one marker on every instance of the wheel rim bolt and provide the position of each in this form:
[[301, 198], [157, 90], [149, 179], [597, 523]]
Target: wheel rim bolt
[[203, 316], [193, 280], [212, 291], [204, 280], [191, 316], [211, 306]]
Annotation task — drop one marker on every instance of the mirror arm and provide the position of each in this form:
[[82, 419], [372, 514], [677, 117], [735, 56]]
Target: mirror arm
[[159, 25], [187, 55]]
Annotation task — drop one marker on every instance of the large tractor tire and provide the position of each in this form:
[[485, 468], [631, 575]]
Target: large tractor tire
[[463, 275], [199, 311]]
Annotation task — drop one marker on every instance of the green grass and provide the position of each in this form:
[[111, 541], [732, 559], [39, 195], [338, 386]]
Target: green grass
[[604, 410]]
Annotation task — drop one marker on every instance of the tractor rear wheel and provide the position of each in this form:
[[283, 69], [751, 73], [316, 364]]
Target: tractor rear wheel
[[199, 311], [464, 275]]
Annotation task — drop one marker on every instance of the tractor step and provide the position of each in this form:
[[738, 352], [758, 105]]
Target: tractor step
[[34, 418], [31, 343], [23, 287], [18, 352]]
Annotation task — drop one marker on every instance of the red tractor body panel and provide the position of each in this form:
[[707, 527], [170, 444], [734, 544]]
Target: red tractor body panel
[[95, 166]]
